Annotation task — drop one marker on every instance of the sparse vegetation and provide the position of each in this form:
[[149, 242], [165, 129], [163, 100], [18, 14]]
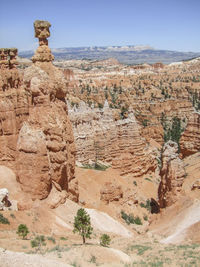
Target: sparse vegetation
[[123, 114], [3, 219], [93, 259], [140, 249], [97, 166], [52, 239], [82, 224], [172, 131], [130, 219], [12, 215], [38, 242], [146, 205], [22, 231], [145, 122], [145, 218], [63, 238], [105, 240]]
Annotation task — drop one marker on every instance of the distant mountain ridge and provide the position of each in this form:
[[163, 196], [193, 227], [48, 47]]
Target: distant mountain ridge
[[125, 54]]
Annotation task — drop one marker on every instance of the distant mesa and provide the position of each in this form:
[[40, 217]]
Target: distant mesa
[[124, 54]]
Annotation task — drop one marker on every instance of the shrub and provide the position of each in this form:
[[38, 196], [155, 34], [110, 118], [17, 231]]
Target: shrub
[[147, 205], [38, 242], [137, 220], [145, 122], [105, 240], [22, 230], [12, 215], [63, 238], [145, 218], [52, 239], [100, 105], [93, 259], [3, 220], [130, 219], [82, 224]]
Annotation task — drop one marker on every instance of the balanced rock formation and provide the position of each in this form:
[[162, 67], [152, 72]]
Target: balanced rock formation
[[98, 136], [36, 136], [43, 52], [190, 139], [172, 175]]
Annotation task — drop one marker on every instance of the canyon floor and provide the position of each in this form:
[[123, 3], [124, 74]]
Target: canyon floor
[[167, 239]]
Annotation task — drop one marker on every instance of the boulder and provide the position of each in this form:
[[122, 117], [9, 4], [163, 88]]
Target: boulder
[[4, 201], [111, 192]]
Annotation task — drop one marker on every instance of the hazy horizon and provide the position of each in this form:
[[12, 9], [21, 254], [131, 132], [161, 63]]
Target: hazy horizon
[[171, 25]]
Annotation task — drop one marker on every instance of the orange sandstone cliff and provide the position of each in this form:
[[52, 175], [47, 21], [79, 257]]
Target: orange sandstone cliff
[[36, 136]]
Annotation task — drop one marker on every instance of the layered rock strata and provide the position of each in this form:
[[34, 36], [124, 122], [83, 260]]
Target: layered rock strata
[[98, 136], [172, 175], [190, 139], [36, 136]]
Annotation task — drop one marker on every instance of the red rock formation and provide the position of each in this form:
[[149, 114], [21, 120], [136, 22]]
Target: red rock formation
[[196, 185], [111, 192], [43, 52], [172, 175], [190, 139], [158, 65], [99, 137], [36, 136]]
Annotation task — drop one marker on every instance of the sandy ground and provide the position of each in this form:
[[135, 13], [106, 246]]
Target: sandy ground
[[17, 259], [186, 219]]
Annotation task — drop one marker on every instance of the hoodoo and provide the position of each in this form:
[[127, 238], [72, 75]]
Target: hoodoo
[[36, 135]]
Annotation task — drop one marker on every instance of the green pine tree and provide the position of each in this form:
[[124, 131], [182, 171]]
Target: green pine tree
[[105, 240], [82, 224], [22, 230]]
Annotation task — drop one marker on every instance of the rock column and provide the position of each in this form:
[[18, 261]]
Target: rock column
[[43, 52]]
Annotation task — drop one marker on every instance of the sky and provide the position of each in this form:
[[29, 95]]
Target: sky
[[162, 24]]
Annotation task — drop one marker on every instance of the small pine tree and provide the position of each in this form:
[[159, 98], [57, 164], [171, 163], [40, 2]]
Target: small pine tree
[[22, 230], [105, 240], [82, 224]]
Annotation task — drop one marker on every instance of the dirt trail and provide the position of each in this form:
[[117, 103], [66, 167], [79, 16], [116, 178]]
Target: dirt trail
[[104, 222], [191, 216]]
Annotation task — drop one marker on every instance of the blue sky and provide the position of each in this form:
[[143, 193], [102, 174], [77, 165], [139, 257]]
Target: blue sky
[[163, 24]]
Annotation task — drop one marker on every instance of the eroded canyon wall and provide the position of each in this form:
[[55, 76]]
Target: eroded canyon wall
[[36, 136], [98, 136], [190, 139]]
